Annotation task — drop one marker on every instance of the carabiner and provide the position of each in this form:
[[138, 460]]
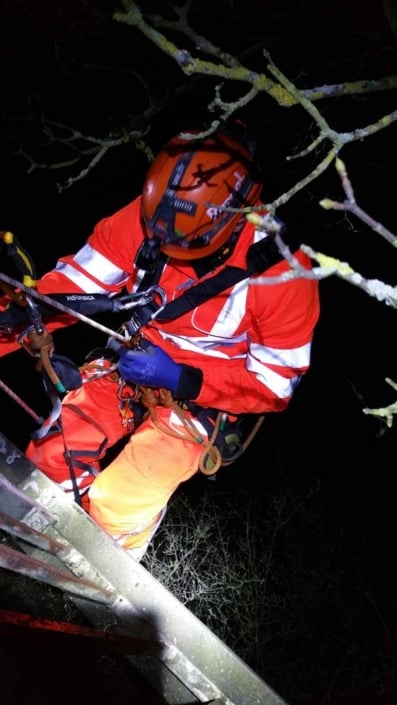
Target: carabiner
[[124, 303], [37, 320]]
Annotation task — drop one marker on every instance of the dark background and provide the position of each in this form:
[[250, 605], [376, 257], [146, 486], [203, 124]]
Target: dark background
[[69, 62]]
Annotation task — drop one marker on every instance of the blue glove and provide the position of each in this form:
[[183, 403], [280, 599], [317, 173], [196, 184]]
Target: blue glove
[[153, 367]]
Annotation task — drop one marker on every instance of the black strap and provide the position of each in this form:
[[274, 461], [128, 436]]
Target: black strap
[[152, 273], [260, 257], [201, 292]]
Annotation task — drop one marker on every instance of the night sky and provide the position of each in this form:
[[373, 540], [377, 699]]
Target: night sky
[[70, 63]]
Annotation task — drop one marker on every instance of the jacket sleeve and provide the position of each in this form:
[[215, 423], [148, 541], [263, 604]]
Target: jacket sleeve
[[102, 266], [263, 375], [278, 351], [105, 263]]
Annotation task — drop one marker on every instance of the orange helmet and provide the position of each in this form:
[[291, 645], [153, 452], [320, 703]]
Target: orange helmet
[[187, 188]]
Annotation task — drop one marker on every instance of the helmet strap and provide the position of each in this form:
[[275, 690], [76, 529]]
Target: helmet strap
[[148, 254]]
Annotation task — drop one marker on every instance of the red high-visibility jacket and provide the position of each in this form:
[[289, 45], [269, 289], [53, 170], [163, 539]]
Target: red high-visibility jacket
[[252, 342]]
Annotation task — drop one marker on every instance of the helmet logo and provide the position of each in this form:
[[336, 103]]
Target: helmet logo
[[215, 212]]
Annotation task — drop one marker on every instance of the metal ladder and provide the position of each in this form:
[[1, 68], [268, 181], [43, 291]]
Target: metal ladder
[[58, 544]]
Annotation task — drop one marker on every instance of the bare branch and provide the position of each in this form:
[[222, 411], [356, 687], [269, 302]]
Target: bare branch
[[349, 204], [231, 69], [200, 42], [330, 266], [388, 83], [91, 151]]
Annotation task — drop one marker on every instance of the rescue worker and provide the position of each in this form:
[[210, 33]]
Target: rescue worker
[[237, 348]]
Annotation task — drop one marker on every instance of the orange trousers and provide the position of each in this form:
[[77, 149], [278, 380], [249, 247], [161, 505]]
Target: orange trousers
[[127, 497]]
